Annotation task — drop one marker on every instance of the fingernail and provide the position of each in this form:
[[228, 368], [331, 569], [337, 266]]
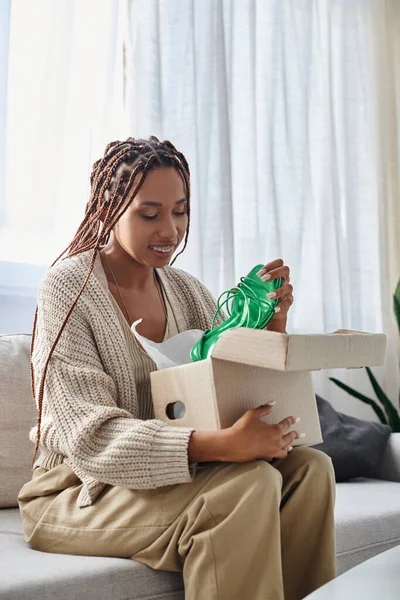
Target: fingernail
[[270, 403], [261, 272], [297, 420], [271, 295], [302, 435], [290, 448], [266, 277], [277, 309]]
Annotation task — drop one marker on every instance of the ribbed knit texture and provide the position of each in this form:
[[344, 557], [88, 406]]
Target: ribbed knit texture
[[142, 364], [93, 417]]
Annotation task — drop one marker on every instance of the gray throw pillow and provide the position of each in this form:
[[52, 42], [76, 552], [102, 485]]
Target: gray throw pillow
[[355, 446]]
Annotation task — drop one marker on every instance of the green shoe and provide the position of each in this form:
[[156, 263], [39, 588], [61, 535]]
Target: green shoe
[[250, 307]]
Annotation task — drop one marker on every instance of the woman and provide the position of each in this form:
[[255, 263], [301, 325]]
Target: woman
[[233, 509]]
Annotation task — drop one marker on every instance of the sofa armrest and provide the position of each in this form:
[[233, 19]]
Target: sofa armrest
[[389, 466]]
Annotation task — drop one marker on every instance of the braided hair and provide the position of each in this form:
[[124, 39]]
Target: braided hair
[[111, 180]]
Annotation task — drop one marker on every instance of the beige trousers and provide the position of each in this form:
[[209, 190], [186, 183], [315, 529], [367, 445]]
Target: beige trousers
[[238, 531]]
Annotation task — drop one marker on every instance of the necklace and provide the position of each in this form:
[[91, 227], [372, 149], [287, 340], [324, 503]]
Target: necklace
[[122, 298]]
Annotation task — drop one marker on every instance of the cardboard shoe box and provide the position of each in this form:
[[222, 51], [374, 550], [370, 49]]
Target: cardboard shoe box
[[249, 367]]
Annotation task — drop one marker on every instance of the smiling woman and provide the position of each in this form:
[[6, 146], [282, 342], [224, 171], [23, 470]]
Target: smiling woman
[[156, 218], [131, 178], [144, 238], [102, 448]]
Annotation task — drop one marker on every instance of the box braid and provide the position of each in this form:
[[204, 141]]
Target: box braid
[[112, 178]]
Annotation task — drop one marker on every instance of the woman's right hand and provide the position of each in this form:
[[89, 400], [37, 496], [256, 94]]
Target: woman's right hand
[[251, 439]]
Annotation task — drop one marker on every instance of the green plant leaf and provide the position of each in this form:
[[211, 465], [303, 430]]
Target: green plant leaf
[[393, 415], [379, 412], [396, 304]]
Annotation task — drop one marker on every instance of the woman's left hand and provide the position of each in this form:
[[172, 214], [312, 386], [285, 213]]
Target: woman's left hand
[[284, 294]]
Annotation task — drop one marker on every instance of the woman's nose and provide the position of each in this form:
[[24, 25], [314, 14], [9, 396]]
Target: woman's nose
[[168, 229]]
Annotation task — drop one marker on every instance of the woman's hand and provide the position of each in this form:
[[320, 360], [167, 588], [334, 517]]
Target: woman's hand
[[284, 294], [251, 439]]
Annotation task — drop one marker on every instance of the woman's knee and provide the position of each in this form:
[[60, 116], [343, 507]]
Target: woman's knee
[[257, 475], [315, 460], [240, 488], [262, 476], [268, 473]]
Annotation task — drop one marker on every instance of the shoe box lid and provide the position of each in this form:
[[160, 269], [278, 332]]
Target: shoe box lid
[[301, 352]]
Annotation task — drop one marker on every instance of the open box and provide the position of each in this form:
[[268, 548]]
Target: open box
[[249, 367]]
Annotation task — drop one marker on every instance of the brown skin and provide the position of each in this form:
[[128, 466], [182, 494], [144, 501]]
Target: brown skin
[[128, 250], [284, 294], [246, 440], [133, 263]]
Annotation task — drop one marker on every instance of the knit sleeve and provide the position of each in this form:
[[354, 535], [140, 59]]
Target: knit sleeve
[[99, 438]]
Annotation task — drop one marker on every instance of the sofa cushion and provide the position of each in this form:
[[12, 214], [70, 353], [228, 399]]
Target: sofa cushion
[[367, 514], [26, 573], [10, 521], [355, 446], [17, 416]]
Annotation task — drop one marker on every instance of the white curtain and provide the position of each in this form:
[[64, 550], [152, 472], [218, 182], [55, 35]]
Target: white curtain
[[280, 110], [61, 86], [385, 28], [5, 8], [287, 110], [64, 103]]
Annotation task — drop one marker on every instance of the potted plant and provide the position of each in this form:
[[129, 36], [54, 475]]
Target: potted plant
[[387, 413]]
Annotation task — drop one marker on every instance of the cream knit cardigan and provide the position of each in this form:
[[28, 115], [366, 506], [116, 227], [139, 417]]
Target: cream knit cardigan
[[90, 416]]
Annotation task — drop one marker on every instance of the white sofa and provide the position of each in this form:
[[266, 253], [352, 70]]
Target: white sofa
[[367, 513]]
